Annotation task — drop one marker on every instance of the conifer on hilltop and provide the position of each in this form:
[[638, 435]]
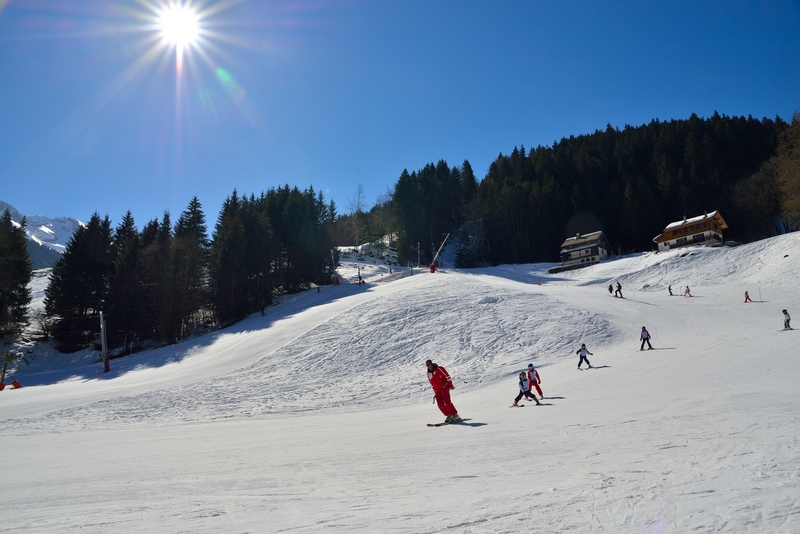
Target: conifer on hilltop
[[15, 273]]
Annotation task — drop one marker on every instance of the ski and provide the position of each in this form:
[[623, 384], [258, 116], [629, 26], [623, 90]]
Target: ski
[[517, 406], [443, 424]]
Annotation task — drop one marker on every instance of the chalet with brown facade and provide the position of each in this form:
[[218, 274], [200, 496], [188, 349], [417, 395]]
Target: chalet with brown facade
[[703, 230], [584, 249]]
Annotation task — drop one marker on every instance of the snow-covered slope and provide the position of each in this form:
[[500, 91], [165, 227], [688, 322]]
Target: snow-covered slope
[[313, 417]]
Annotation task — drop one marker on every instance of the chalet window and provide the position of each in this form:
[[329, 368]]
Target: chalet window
[[681, 240], [701, 225], [690, 229]]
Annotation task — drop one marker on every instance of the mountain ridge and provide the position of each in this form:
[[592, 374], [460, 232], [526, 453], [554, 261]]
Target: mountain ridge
[[47, 236]]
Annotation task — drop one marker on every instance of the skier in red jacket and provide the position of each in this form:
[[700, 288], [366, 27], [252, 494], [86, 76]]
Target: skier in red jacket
[[533, 376], [442, 384]]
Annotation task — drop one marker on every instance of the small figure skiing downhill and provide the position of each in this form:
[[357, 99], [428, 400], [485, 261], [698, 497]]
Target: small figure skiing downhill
[[533, 376], [442, 384], [618, 292], [747, 297], [645, 337], [787, 321], [583, 352], [524, 389], [686, 292]]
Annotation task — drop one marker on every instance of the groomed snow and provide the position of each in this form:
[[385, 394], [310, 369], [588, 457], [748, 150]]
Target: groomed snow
[[312, 418]]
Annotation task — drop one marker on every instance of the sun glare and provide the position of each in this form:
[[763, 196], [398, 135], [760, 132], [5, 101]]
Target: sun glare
[[179, 25]]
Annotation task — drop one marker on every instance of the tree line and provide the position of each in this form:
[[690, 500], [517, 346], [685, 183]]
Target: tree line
[[169, 281]]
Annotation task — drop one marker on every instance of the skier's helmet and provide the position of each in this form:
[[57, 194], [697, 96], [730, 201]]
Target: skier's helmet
[[530, 366], [583, 345]]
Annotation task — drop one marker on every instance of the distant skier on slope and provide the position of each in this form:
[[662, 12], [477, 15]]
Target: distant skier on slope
[[533, 376], [583, 352], [610, 289], [747, 297], [442, 384], [618, 292], [786, 320], [645, 337], [686, 292], [524, 389], [670, 290]]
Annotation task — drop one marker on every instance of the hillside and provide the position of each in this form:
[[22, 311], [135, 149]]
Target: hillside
[[313, 417]]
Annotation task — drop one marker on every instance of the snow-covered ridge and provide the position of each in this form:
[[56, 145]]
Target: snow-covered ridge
[[51, 232]]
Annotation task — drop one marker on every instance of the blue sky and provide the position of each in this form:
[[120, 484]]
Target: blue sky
[[332, 94]]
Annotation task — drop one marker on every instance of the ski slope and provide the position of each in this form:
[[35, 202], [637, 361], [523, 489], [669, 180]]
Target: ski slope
[[313, 417]]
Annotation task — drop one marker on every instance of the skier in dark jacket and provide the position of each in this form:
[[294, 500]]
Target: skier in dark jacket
[[618, 292], [525, 389]]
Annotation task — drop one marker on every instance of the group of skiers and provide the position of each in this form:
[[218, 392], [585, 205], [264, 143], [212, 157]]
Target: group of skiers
[[686, 292], [527, 382], [442, 383]]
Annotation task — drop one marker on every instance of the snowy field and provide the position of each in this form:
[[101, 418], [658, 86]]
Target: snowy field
[[313, 418]]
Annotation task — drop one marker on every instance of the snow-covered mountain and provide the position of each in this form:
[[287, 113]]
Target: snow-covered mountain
[[45, 234]]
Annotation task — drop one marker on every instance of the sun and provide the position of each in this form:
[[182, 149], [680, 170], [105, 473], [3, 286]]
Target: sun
[[179, 25]]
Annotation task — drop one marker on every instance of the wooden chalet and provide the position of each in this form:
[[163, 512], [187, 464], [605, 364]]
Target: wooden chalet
[[703, 230], [584, 249]]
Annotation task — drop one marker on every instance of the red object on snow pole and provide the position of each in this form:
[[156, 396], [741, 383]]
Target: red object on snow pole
[[434, 263]]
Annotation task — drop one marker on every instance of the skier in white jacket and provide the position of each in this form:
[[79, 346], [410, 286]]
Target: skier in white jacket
[[583, 352]]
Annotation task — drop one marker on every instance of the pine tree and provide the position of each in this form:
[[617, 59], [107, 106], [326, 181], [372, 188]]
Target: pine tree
[[125, 297], [15, 274], [190, 258], [228, 263], [77, 290]]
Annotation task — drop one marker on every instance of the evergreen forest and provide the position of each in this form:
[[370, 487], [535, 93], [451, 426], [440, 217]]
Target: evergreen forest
[[172, 280], [629, 183]]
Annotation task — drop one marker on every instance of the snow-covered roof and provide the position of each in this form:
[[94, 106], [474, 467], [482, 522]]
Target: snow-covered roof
[[581, 240], [712, 215]]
